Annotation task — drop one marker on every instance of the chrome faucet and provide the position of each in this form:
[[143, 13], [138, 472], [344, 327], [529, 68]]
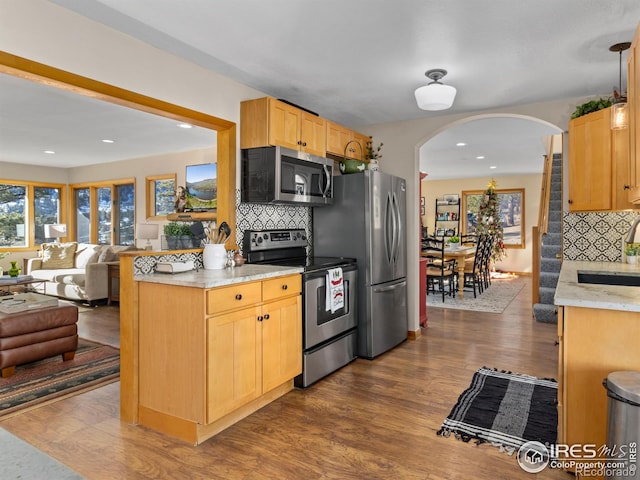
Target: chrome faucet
[[633, 236]]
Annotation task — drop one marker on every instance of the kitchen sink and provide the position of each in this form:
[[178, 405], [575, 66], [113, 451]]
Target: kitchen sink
[[630, 279]]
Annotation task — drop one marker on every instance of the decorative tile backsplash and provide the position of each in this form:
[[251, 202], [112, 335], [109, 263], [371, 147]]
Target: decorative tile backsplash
[[257, 216], [146, 264], [595, 236]]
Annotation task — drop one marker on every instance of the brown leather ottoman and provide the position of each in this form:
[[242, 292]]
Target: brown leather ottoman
[[37, 334]]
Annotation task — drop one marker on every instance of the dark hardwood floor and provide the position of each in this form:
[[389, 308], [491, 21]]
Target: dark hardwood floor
[[370, 420]]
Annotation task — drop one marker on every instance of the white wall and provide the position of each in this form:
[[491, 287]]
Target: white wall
[[517, 259]]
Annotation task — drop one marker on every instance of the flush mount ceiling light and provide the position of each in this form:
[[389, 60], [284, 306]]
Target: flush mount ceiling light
[[435, 95], [619, 109]]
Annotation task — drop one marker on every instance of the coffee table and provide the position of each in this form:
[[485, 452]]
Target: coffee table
[[6, 282]]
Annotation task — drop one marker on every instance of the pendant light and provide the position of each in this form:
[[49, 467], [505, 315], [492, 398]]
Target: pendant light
[[435, 95], [619, 107]]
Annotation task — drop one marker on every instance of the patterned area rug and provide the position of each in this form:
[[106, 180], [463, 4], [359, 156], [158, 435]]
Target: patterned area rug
[[494, 299], [506, 409], [37, 383]]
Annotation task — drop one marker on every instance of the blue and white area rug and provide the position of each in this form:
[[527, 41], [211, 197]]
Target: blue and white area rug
[[505, 409]]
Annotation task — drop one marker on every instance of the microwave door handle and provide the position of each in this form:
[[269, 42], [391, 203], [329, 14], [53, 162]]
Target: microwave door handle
[[327, 174]]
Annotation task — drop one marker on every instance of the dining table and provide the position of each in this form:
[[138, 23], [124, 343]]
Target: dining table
[[460, 254]]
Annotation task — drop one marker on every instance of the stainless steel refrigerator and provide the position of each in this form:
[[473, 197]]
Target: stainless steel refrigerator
[[367, 221]]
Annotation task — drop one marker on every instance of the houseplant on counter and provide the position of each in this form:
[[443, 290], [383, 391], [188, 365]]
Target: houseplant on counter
[[631, 253], [178, 235]]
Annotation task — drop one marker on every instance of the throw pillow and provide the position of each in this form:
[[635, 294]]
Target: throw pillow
[[58, 255], [89, 254]]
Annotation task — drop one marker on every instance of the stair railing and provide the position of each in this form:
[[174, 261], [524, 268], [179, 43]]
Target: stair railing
[[540, 228]]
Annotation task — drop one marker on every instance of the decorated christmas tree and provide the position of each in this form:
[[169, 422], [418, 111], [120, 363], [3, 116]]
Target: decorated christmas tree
[[490, 222]]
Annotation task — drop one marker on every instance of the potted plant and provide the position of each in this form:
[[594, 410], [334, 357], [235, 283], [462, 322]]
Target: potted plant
[[172, 232], [590, 107], [454, 242], [373, 154], [631, 253]]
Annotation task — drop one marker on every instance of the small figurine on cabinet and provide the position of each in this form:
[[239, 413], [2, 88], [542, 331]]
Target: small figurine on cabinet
[[181, 199]]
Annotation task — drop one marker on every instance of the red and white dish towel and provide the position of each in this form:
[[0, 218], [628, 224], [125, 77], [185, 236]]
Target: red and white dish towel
[[335, 290]]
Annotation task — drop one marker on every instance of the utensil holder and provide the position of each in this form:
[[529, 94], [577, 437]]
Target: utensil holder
[[214, 256]]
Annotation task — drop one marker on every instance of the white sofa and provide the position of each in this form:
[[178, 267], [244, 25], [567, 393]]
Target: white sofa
[[82, 273]]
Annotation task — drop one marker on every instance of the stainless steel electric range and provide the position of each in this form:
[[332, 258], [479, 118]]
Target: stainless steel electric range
[[328, 338]]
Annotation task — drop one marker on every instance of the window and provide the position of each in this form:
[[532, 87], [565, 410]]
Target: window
[[104, 212], [25, 208], [160, 196]]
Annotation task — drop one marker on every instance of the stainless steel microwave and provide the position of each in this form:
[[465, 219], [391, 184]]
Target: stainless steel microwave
[[283, 175]]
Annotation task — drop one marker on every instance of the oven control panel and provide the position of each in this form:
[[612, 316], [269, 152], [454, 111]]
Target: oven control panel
[[255, 240]]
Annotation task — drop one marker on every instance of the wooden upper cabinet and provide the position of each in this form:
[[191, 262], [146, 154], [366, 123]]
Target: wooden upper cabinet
[[633, 98], [270, 122], [342, 141], [590, 163]]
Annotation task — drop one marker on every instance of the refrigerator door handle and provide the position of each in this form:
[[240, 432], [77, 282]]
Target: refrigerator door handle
[[394, 227], [388, 229], [397, 227]]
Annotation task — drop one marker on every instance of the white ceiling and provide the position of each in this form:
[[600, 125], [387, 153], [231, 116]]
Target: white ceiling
[[358, 62]]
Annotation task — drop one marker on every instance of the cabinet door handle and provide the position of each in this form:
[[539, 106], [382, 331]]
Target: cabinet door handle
[[304, 144], [239, 296], [627, 187], [266, 316], [260, 318], [284, 287], [299, 142], [570, 201]]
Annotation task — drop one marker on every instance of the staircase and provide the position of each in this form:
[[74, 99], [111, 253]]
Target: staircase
[[550, 261]]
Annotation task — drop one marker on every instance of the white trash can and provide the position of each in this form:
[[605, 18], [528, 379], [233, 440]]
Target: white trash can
[[623, 424]]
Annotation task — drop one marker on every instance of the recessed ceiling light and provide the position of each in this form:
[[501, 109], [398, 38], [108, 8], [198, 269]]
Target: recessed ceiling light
[[493, 166], [461, 144], [106, 140], [185, 125], [480, 157], [49, 152]]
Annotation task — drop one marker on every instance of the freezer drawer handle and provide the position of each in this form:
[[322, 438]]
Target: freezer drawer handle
[[391, 287]]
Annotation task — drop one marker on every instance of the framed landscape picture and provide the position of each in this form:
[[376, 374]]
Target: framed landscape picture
[[511, 203]]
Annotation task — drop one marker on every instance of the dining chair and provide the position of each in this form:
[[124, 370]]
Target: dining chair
[[469, 240], [439, 270], [485, 262], [473, 275]]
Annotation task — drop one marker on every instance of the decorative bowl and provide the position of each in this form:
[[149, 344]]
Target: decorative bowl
[[352, 166]]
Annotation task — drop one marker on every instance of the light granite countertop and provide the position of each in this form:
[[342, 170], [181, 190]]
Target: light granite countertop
[[219, 278], [608, 297]]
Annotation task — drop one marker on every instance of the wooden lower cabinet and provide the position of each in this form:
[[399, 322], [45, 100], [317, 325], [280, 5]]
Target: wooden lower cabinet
[[206, 362], [593, 343]]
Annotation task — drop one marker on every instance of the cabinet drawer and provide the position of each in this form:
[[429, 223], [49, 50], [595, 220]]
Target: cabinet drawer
[[232, 297], [281, 287]]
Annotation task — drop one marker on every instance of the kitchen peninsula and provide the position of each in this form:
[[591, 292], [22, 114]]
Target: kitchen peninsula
[[598, 330], [209, 347]]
